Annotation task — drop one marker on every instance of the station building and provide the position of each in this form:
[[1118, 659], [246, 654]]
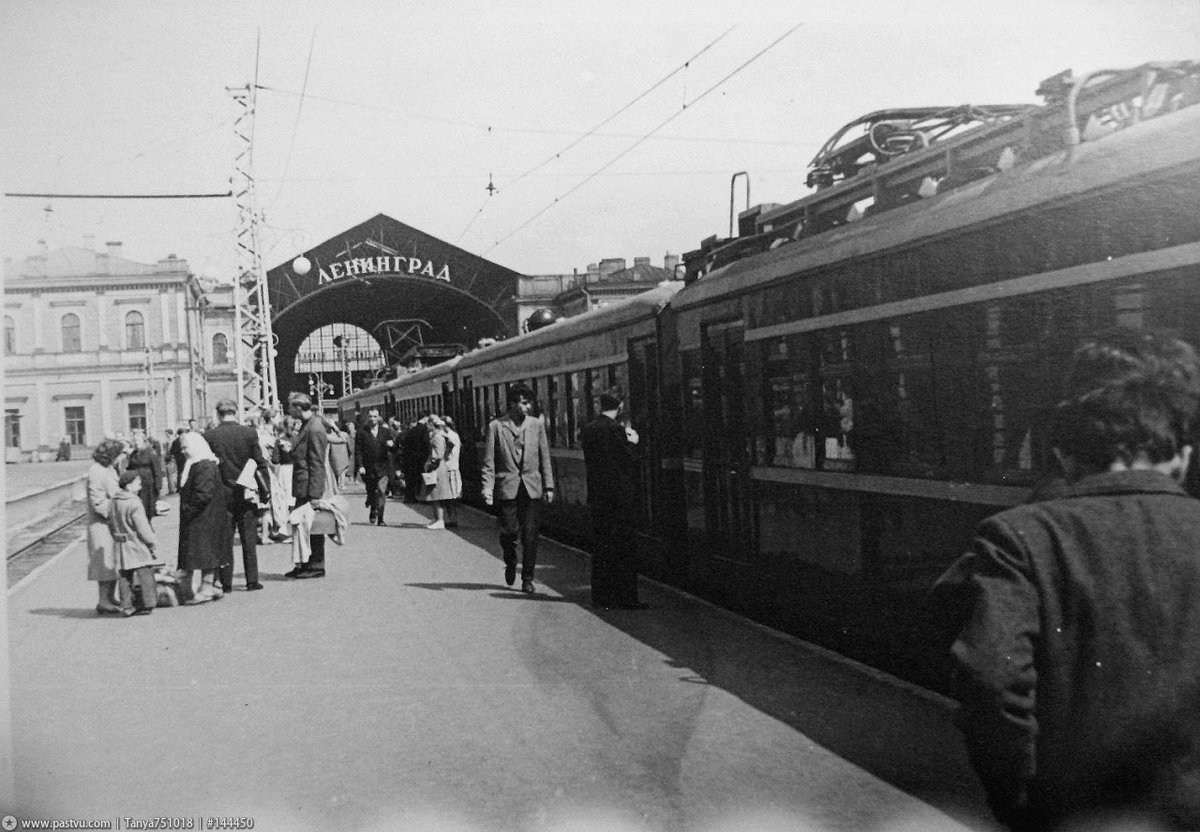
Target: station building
[[96, 344]]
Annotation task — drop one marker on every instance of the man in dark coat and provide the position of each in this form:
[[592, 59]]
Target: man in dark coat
[[235, 445], [414, 451], [176, 453], [612, 501], [1078, 653], [373, 448], [308, 475]]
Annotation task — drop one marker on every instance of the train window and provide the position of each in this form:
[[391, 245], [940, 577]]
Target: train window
[[693, 403], [790, 422], [597, 382], [551, 387], [566, 412], [579, 404], [910, 368], [1130, 302], [618, 377]]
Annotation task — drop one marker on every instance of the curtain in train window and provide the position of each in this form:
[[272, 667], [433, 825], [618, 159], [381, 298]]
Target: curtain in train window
[[566, 413]]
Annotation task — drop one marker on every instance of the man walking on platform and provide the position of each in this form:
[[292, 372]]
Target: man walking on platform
[[517, 473], [373, 449], [235, 445], [308, 476], [612, 501]]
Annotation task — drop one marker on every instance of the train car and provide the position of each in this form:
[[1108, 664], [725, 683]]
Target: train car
[[866, 373], [567, 365], [406, 398]]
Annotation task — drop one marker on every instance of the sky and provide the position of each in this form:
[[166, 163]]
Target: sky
[[411, 108]]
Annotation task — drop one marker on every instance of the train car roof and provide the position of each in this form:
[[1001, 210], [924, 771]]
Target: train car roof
[[405, 380], [638, 307], [1151, 147]]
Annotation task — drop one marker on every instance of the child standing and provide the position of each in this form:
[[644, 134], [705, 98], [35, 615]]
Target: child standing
[[133, 545]]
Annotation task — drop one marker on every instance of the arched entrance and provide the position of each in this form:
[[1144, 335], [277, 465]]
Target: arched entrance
[[395, 282]]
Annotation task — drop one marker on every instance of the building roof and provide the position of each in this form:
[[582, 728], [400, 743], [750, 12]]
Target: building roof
[[78, 261], [639, 273]]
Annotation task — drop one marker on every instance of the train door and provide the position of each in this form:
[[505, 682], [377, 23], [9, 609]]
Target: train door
[[644, 417], [726, 455]]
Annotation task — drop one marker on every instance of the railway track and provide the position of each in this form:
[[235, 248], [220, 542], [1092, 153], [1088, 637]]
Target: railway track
[[30, 554]]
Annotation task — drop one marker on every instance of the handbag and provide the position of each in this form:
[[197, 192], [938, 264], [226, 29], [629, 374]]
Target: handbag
[[429, 477]]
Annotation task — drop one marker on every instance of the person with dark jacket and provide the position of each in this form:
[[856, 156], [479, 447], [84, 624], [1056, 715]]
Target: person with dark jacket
[[144, 462], [1078, 648], [175, 451], [308, 476], [205, 529], [612, 501], [414, 451], [374, 445], [235, 445]]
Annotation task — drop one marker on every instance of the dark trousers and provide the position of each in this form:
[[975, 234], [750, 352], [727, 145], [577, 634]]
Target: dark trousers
[[614, 559], [377, 491], [245, 521], [137, 588], [519, 519]]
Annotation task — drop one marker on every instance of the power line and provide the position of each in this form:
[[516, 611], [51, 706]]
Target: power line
[[629, 149], [638, 98], [296, 127], [121, 196], [541, 131]]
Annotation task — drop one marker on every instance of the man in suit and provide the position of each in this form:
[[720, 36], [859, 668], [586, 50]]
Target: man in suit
[[517, 474], [414, 452], [308, 475], [373, 449], [235, 445], [611, 496]]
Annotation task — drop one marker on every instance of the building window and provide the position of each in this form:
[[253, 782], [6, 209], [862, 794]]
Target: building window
[[137, 416], [220, 352], [71, 341], [12, 428], [135, 331], [76, 431], [10, 336]]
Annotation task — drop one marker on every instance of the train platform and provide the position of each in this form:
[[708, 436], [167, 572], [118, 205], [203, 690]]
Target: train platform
[[411, 689]]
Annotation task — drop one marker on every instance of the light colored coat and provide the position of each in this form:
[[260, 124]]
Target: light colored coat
[[500, 467], [127, 519], [102, 485]]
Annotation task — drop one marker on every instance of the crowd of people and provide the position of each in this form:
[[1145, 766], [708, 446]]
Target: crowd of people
[[277, 479]]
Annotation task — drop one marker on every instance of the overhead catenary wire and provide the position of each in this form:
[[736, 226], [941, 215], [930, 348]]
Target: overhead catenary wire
[[541, 131], [120, 196], [558, 154], [296, 127], [641, 140], [633, 101]]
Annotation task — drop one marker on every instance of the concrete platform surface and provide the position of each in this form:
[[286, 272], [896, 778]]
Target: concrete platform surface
[[411, 689], [20, 478]]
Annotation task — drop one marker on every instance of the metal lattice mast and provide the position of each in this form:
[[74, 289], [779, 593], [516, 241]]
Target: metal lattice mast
[[254, 347]]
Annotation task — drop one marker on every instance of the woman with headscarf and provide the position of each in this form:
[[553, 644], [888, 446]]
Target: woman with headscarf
[[102, 485], [205, 526]]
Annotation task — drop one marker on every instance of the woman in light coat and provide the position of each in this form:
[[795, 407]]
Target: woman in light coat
[[102, 486], [440, 491]]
